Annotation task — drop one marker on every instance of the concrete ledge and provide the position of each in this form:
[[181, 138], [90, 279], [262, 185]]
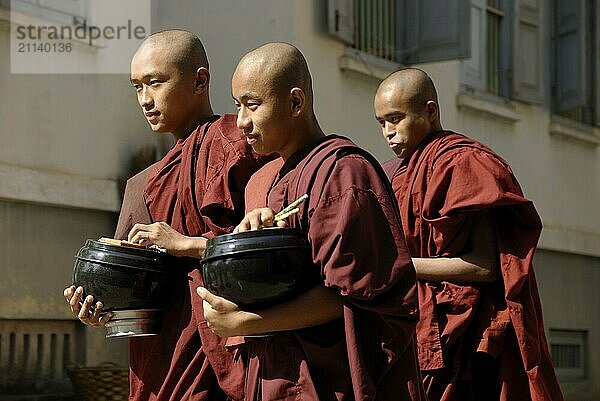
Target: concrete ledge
[[570, 240], [58, 189], [500, 108], [581, 133], [366, 64]]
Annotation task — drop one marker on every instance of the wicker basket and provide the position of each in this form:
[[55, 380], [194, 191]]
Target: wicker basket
[[106, 382]]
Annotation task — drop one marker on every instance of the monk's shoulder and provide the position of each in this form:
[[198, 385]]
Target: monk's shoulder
[[454, 150], [268, 171], [227, 137], [260, 183], [343, 171], [140, 178]]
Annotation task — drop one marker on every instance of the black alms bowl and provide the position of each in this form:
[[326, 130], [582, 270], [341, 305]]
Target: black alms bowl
[[122, 277], [257, 269]]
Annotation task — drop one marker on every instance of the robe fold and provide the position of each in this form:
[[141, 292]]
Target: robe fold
[[358, 249], [197, 188], [468, 328]]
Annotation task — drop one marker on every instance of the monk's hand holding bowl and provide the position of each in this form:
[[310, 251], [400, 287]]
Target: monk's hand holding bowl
[[82, 308], [223, 317], [257, 219]]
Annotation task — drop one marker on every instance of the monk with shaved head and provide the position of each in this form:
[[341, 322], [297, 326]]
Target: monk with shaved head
[[193, 193], [472, 235], [352, 336]]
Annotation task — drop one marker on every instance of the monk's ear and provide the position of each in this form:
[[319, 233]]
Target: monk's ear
[[297, 101], [432, 110], [201, 80]]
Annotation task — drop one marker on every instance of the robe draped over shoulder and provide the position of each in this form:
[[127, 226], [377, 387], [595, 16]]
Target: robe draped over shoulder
[[352, 224], [133, 207], [197, 188], [446, 181]]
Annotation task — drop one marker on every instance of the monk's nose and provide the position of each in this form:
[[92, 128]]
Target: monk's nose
[[242, 122], [389, 130], [145, 99]]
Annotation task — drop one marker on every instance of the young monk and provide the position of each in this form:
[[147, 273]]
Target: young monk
[[351, 337], [472, 236], [193, 193]]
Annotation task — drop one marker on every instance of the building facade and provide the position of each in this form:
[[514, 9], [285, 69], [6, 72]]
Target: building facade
[[521, 76]]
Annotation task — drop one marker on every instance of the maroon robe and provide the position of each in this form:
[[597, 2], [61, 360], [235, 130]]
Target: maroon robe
[[358, 248], [476, 338], [197, 188]]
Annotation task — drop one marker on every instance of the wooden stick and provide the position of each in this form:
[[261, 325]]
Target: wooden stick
[[291, 207], [285, 215]]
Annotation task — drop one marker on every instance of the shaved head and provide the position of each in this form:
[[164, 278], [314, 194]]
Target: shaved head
[[406, 107], [412, 84], [281, 66], [272, 89], [182, 48], [169, 72]]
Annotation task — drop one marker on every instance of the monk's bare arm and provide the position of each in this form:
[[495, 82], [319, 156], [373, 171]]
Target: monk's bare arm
[[481, 264], [166, 237], [316, 306]]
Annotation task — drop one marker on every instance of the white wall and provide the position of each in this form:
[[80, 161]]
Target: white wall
[[75, 124]]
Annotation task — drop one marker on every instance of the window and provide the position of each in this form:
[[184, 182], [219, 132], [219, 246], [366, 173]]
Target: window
[[487, 69], [502, 39], [569, 350], [506, 50], [402, 31], [375, 28], [575, 53], [496, 18]]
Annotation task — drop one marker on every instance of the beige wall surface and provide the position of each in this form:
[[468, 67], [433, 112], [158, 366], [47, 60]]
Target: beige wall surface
[[75, 124], [38, 248], [568, 286], [40, 244]]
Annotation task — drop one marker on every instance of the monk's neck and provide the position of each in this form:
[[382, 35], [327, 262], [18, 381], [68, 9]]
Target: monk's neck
[[192, 124], [303, 136]]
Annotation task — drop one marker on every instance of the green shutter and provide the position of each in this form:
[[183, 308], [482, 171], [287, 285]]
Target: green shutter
[[341, 19], [433, 30], [473, 68], [570, 55], [528, 51]]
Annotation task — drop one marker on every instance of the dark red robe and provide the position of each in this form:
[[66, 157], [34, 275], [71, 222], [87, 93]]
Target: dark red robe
[[358, 248], [474, 338], [197, 188]]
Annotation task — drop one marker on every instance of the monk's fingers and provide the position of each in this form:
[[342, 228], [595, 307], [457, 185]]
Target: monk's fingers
[[257, 218], [243, 226], [267, 217], [94, 318], [69, 292], [98, 318], [75, 300], [105, 318], [85, 312], [143, 238], [282, 224], [209, 313], [255, 221], [135, 229], [260, 218], [206, 295], [220, 305]]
